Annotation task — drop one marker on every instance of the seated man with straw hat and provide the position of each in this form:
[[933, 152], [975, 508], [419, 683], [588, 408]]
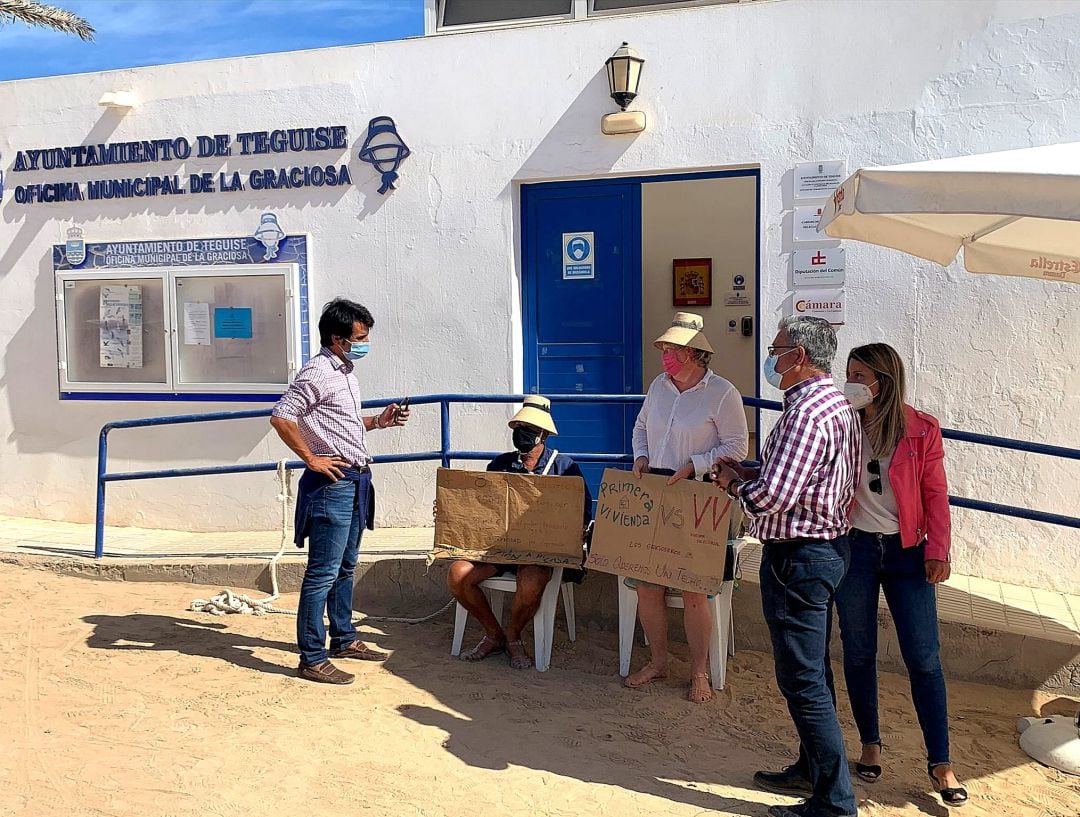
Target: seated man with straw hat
[[532, 426]]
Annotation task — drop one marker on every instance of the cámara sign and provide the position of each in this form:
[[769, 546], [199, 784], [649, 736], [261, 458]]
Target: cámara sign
[[181, 149], [820, 303]]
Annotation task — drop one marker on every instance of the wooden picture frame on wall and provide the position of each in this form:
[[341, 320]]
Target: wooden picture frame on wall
[[691, 282]]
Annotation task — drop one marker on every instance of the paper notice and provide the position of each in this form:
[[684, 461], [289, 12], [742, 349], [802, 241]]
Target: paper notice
[[196, 324], [120, 318]]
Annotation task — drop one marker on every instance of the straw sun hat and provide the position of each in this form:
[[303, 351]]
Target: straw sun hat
[[536, 411], [687, 329]]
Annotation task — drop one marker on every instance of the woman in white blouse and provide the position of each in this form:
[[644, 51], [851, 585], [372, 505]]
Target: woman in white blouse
[[691, 418]]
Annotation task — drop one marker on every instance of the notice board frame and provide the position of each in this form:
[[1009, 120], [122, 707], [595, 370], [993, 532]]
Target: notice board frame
[[182, 257]]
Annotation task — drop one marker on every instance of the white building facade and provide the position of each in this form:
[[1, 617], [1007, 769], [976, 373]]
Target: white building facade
[[140, 275]]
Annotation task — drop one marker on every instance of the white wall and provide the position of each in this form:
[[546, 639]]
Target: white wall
[[769, 83]]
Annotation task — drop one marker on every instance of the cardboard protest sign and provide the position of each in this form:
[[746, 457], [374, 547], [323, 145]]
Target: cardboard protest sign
[[508, 518], [674, 535]]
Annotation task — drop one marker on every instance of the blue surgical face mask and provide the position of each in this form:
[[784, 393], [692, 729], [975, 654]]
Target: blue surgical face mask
[[773, 377], [357, 350]]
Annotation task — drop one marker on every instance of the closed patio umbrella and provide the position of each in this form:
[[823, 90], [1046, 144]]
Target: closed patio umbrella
[[1016, 212]]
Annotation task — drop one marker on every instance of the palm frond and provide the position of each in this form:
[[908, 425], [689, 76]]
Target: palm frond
[[38, 14]]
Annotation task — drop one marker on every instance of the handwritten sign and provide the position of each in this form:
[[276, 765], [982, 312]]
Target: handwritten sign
[[674, 535], [508, 518]]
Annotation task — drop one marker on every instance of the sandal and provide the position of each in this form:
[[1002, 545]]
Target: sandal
[[488, 646], [951, 796], [871, 773], [519, 656], [700, 689], [646, 675]]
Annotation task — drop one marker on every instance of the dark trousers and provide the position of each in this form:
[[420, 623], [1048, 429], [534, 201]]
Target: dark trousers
[[879, 561], [338, 515], [798, 586]]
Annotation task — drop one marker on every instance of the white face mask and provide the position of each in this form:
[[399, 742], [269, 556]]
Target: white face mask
[[859, 394]]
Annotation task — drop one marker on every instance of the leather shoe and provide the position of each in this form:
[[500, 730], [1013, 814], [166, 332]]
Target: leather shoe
[[788, 781], [325, 673], [801, 810]]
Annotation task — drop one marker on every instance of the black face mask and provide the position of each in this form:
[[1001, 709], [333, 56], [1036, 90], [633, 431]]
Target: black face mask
[[525, 439]]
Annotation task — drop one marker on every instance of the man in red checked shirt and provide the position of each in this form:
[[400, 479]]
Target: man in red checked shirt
[[797, 504]]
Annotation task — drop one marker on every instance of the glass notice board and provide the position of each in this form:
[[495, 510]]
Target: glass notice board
[[230, 329], [195, 331], [115, 331]]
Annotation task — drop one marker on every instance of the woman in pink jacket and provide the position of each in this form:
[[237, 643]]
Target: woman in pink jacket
[[899, 544]]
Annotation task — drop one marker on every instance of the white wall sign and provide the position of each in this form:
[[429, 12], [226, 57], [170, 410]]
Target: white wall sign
[[820, 303], [817, 268], [577, 255], [817, 180], [804, 225]]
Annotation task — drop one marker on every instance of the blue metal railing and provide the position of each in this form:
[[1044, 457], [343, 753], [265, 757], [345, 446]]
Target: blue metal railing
[[446, 452]]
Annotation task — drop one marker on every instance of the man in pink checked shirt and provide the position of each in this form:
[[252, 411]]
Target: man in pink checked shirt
[[797, 504], [319, 418]]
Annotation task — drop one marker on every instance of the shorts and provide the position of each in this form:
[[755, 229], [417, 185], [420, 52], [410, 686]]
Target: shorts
[[634, 584], [569, 574]]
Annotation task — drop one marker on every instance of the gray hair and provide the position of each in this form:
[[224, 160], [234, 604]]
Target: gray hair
[[816, 336], [701, 356]]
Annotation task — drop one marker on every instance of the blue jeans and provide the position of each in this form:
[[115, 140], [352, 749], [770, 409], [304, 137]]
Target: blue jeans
[[798, 583], [881, 561], [338, 515]]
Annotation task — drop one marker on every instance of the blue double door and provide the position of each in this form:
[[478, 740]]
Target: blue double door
[[582, 321]]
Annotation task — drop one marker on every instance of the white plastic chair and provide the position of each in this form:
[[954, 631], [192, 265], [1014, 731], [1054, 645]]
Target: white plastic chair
[[543, 622], [723, 624]]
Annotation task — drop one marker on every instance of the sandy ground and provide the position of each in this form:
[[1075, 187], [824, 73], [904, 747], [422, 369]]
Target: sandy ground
[[115, 701]]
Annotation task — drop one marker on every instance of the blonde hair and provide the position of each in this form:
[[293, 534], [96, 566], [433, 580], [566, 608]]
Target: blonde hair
[[886, 427]]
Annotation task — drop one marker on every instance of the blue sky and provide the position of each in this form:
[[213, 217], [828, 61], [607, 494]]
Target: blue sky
[[151, 32]]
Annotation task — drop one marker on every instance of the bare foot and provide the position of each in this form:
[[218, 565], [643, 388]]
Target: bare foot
[[519, 656], [646, 675], [700, 689], [487, 646]]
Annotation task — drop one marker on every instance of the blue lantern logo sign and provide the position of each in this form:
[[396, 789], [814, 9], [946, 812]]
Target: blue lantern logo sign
[[384, 150], [269, 235], [75, 246]]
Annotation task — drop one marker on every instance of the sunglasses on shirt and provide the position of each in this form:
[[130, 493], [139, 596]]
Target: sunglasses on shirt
[[874, 467]]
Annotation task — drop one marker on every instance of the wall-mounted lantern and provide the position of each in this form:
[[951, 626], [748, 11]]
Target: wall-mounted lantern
[[624, 75]]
